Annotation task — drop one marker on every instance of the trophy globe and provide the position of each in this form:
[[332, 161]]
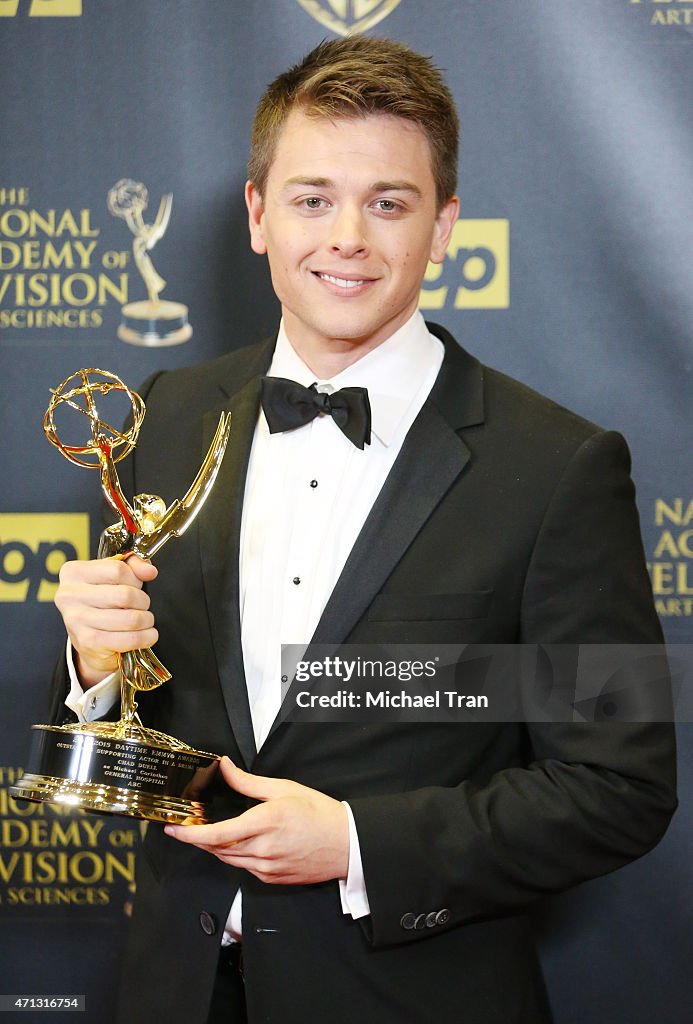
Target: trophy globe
[[78, 393]]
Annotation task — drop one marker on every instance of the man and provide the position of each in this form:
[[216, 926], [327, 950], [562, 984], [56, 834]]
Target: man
[[374, 871]]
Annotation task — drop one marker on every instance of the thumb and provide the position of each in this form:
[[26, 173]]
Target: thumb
[[143, 569], [260, 787]]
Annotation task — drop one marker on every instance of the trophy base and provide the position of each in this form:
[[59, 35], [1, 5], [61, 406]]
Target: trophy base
[[154, 324], [113, 768]]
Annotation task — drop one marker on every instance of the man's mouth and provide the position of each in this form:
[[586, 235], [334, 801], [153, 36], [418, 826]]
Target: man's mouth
[[343, 282]]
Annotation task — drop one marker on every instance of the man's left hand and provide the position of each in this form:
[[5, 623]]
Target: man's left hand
[[295, 836]]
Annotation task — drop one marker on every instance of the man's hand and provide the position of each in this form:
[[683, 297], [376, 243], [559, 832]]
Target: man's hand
[[105, 611], [294, 837]]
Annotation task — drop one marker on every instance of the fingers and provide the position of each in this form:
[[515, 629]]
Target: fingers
[[105, 611], [297, 835], [259, 787], [132, 571], [142, 569], [221, 836]]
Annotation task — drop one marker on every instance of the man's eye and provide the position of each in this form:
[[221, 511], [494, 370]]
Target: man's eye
[[313, 202], [387, 205]]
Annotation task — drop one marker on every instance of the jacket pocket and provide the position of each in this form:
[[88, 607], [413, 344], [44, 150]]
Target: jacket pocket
[[419, 607]]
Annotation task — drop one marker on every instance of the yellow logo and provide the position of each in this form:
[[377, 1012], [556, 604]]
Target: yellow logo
[[43, 8], [476, 271], [348, 17], [33, 548], [671, 13], [671, 567]]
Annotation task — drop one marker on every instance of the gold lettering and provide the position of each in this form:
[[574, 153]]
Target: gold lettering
[[662, 578], [54, 257], [85, 876], [7, 870], [682, 586], [6, 220], [675, 512], [13, 833], [92, 830], [666, 545], [84, 252], [16, 222], [107, 287]]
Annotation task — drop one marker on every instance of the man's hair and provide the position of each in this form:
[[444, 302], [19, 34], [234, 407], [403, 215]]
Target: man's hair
[[354, 77]]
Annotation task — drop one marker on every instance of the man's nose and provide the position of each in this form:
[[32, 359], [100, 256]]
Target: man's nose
[[348, 232]]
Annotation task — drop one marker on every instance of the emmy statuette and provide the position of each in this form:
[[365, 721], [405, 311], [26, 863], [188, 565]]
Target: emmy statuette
[[123, 767], [152, 321]]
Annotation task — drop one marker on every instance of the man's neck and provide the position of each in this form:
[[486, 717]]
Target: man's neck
[[327, 359], [326, 365]]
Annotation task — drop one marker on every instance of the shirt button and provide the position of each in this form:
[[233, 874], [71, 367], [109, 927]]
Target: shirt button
[[297, 580], [92, 703], [314, 483], [285, 679]]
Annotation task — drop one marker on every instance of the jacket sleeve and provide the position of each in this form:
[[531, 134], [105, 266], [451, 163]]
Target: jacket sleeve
[[592, 796]]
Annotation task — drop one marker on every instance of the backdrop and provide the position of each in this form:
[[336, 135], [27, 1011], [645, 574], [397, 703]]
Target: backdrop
[[570, 269]]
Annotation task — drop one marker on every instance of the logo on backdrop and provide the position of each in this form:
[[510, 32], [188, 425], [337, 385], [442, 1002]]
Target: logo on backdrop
[[55, 271], [33, 548], [666, 13], [475, 273], [152, 321], [348, 17], [54, 860], [42, 8], [671, 564]]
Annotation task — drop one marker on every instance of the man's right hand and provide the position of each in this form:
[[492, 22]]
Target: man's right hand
[[105, 612]]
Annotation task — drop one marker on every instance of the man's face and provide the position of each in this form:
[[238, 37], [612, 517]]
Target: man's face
[[348, 222]]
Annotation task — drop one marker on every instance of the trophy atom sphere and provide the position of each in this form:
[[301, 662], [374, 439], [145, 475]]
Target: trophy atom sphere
[[84, 384]]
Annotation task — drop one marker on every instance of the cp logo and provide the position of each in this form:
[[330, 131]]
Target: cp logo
[[475, 272], [33, 547]]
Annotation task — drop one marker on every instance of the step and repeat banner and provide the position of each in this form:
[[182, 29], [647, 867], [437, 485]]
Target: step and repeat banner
[[125, 128]]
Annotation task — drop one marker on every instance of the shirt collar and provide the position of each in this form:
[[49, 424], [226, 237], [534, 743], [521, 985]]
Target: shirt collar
[[393, 372]]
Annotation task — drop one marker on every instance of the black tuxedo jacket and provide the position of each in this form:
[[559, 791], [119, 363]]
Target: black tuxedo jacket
[[505, 519]]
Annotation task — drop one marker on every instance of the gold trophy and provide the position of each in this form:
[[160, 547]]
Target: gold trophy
[[151, 321], [122, 767]]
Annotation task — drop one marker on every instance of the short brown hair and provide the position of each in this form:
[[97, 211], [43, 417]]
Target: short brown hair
[[353, 77]]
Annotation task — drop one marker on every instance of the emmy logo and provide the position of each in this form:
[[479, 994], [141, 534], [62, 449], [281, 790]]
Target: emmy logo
[[152, 321], [123, 767]]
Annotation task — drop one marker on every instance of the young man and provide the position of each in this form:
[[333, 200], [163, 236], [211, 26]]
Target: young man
[[375, 871]]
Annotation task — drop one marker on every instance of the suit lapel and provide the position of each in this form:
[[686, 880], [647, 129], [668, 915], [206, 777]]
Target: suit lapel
[[219, 533], [431, 459]]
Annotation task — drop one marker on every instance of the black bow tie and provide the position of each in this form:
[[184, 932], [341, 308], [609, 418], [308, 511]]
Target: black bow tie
[[288, 405]]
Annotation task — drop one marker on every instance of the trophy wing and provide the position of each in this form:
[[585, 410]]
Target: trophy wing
[[158, 229], [182, 512]]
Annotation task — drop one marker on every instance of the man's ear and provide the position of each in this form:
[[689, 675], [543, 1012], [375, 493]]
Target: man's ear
[[253, 201], [445, 222]]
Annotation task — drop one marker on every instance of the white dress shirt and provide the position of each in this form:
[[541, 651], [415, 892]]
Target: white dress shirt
[[308, 493]]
